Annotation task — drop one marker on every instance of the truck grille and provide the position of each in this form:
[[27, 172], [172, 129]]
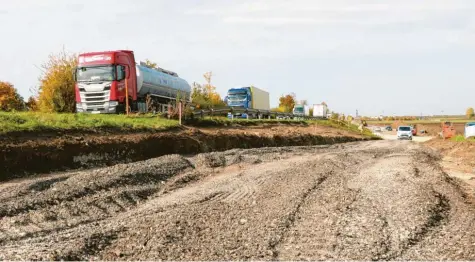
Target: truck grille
[[96, 109], [95, 103], [95, 99], [95, 94]]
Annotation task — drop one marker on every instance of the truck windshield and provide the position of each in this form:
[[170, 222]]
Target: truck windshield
[[404, 128], [95, 74], [298, 110], [236, 97]]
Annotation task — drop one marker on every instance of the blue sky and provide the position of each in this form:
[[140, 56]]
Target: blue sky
[[397, 57]]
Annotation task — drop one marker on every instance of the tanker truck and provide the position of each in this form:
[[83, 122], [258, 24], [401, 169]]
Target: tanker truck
[[103, 80], [248, 98]]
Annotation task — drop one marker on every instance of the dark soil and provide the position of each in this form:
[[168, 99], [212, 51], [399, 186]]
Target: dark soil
[[22, 156]]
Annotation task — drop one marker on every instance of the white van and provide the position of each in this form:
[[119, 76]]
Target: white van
[[404, 132]]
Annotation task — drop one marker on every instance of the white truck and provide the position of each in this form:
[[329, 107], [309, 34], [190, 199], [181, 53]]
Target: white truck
[[320, 111]]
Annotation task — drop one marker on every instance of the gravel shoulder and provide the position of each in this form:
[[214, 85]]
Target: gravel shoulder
[[379, 200]]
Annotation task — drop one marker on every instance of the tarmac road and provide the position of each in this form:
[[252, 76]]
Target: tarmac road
[[379, 200]]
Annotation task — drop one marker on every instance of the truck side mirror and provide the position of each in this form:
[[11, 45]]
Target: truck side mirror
[[75, 74]]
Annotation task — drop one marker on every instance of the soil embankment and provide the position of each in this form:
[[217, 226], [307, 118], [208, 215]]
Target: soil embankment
[[25, 155], [458, 158]]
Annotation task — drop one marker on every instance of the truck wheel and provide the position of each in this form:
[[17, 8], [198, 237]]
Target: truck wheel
[[120, 109], [133, 105]]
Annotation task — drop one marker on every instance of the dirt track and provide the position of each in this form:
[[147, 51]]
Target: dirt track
[[364, 200]]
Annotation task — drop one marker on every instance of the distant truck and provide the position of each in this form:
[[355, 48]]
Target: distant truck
[[249, 97], [414, 130], [320, 111], [301, 111], [101, 77], [469, 130], [448, 130]]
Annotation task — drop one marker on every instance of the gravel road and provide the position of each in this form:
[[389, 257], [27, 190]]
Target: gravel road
[[380, 200]]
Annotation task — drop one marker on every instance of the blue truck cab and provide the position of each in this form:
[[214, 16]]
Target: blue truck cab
[[249, 97], [239, 97]]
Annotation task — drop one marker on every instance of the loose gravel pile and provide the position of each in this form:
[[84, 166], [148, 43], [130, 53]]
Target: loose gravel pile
[[382, 200]]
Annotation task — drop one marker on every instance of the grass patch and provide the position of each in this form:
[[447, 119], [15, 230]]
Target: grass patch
[[32, 121], [434, 121], [461, 138], [224, 121], [343, 126], [50, 122]]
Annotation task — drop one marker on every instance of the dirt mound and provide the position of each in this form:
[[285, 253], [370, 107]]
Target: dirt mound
[[462, 153], [451, 147], [457, 159], [384, 200], [211, 160]]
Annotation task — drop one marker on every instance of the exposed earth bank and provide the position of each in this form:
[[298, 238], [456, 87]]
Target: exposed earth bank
[[458, 158], [379, 200], [25, 155]]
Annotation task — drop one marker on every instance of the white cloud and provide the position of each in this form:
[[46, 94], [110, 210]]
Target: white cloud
[[316, 48], [201, 12], [278, 28], [271, 20], [312, 12]]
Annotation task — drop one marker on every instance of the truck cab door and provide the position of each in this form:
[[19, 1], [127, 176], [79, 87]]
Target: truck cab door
[[249, 100], [121, 78]]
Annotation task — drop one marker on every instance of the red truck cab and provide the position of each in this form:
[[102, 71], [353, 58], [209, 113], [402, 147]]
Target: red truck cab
[[414, 130], [101, 79]]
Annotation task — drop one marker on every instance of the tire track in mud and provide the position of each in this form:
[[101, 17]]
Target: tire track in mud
[[290, 219], [356, 210], [374, 201], [41, 216]]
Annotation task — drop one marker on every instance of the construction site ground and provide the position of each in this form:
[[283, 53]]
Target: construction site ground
[[457, 158], [25, 154], [372, 200]]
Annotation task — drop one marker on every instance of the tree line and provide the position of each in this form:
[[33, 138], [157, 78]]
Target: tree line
[[56, 93]]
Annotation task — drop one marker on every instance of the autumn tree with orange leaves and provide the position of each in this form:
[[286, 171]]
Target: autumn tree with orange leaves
[[214, 97], [10, 100], [205, 95], [56, 92], [31, 104], [287, 103]]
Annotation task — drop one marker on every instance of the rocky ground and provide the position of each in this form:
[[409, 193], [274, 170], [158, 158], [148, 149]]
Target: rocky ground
[[386, 200]]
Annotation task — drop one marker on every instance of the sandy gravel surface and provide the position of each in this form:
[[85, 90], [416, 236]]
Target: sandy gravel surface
[[385, 200]]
